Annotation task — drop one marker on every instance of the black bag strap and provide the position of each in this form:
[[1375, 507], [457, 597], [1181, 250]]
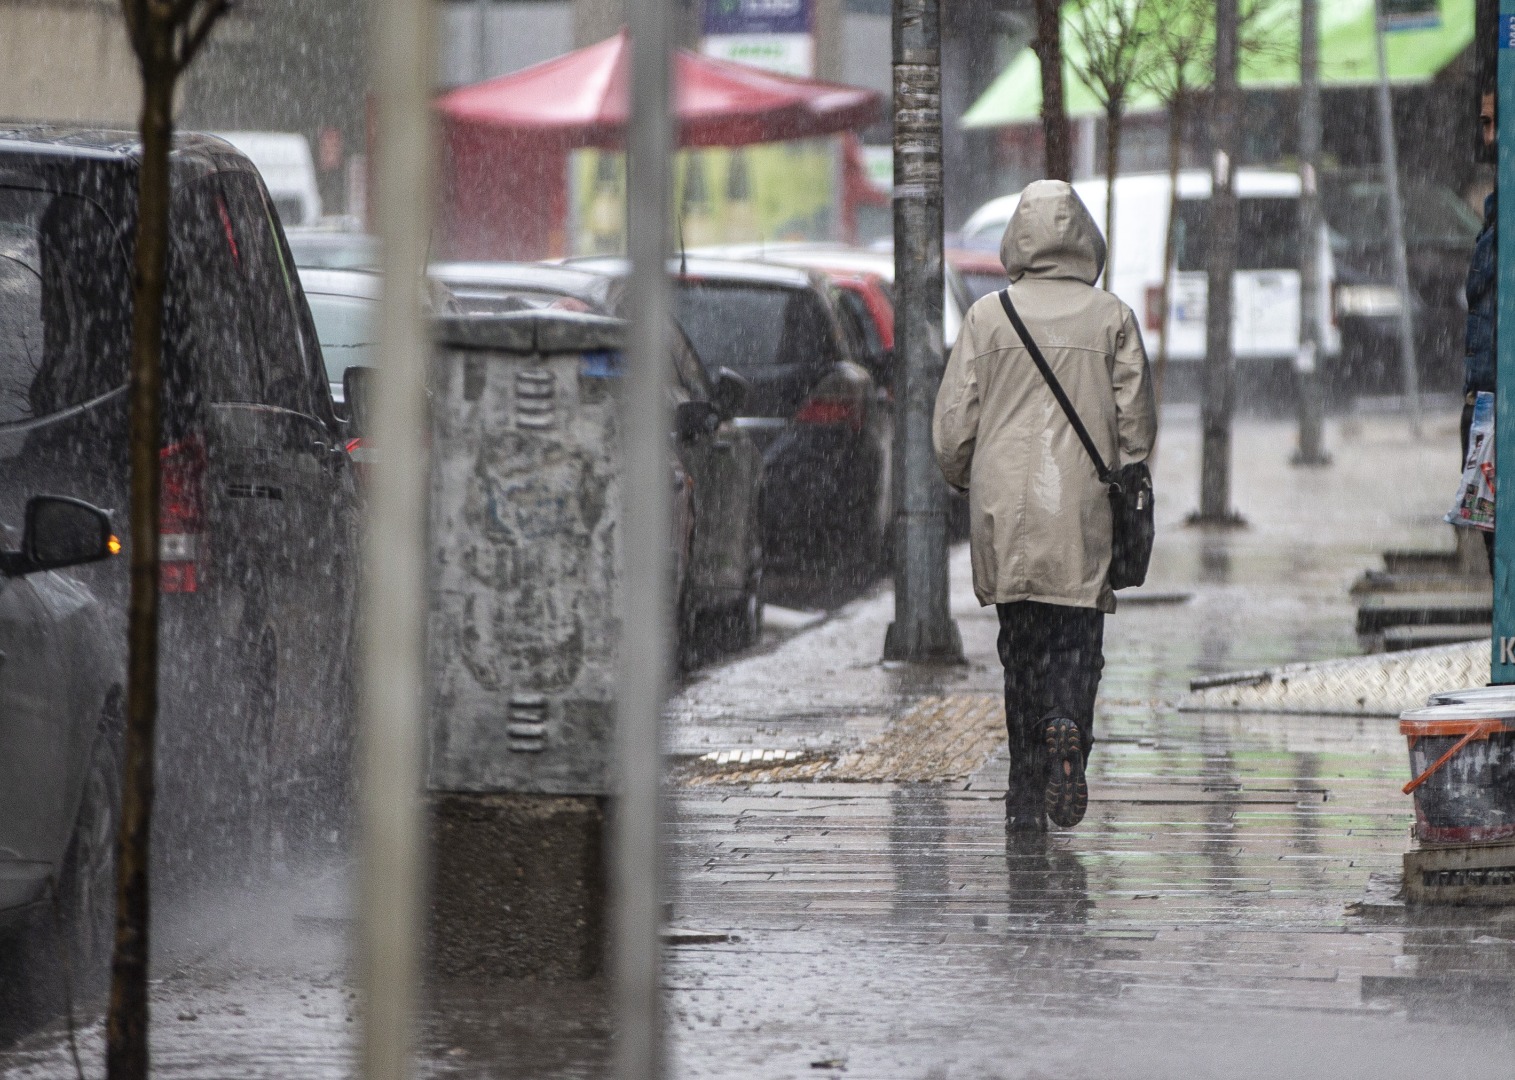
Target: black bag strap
[[1056, 388]]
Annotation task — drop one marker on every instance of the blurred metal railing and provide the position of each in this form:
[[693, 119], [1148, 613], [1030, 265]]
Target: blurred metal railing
[[636, 852], [392, 687]]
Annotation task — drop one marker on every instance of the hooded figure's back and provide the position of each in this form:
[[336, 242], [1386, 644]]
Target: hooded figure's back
[[1040, 516]]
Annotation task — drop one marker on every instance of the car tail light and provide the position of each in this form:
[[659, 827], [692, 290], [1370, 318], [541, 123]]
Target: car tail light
[[831, 412], [182, 547], [361, 455], [1154, 313]]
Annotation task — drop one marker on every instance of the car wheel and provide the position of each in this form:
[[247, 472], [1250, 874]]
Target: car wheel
[[87, 884], [748, 615], [257, 755], [870, 547]]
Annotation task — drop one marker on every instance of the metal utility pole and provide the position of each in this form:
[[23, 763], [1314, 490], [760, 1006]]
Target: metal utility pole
[[923, 629], [1220, 366], [481, 46], [1049, 52], [636, 852], [1390, 156], [1310, 450], [394, 600]]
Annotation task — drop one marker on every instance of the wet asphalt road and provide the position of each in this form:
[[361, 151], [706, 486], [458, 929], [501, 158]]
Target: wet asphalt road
[[1201, 922]]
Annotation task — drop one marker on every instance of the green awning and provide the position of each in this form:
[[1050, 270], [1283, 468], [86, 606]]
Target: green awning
[[1347, 58]]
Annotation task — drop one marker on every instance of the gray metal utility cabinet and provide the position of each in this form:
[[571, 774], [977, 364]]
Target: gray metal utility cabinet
[[525, 508]]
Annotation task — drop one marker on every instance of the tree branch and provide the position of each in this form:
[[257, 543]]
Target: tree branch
[[196, 35]]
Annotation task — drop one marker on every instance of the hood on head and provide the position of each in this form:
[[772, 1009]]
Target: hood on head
[[1052, 235]]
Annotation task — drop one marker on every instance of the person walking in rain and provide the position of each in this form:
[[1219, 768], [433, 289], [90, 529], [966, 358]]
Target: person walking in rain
[[1041, 518]]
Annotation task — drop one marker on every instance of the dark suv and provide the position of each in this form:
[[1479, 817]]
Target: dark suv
[[820, 418], [258, 495]]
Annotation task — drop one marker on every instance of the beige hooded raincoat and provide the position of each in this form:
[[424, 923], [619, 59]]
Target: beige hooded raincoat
[[1040, 517]]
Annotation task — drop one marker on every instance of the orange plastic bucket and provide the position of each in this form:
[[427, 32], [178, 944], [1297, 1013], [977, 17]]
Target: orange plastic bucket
[[1462, 765]]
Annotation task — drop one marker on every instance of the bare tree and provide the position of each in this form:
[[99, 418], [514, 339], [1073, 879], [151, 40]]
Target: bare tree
[[1112, 38], [1048, 45], [1180, 42], [165, 35]]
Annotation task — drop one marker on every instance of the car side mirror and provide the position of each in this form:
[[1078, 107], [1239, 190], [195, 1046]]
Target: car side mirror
[[357, 381], [60, 532], [730, 393], [692, 419]]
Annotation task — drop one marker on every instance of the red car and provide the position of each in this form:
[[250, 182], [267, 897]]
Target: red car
[[866, 306]]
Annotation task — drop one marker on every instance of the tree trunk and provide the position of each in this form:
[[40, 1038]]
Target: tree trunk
[[127, 1024], [1170, 241], [1112, 170], [1049, 51]]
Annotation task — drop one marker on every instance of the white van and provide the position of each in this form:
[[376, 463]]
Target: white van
[[1265, 322], [289, 172]]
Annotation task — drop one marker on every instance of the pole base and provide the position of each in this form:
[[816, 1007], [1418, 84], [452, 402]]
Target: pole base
[[1316, 460], [518, 886], [920, 643], [1228, 520]]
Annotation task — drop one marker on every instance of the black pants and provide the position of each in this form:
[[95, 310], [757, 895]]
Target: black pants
[[1053, 656], [1464, 428]]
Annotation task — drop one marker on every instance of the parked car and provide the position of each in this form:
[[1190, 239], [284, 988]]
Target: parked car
[[288, 170], [869, 296], [257, 489], [865, 305], [1439, 232], [723, 585], [508, 286], [820, 418], [981, 271], [60, 726], [318, 248], [840, 258], [344, 305]]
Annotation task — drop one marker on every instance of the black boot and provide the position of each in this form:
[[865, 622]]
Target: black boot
[[1067, 792], [1025, 811]]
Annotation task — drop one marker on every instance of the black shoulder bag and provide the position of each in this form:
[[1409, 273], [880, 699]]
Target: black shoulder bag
[[1130, 488]]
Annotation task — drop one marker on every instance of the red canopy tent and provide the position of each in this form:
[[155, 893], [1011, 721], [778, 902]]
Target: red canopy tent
[[506, 140]]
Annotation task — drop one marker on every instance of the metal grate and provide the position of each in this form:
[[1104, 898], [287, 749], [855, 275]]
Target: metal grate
[[536, 391], [1378, 685]]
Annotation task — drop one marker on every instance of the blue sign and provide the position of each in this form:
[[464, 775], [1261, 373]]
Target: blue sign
[[1502, 648], [757, 16], [602, 365]]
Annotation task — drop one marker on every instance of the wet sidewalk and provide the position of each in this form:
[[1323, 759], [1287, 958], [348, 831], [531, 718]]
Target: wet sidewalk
[[847, 903], [1204, 920]]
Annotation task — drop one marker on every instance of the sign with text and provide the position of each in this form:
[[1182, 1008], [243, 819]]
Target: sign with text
[[756, 17], [771, 34], [784, 54], [1410, 14]]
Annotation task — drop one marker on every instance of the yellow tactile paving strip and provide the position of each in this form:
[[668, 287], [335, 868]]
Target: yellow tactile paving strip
[[939, 739]]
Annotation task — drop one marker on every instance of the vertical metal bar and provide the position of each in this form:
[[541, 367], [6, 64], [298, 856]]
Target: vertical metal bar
[[637, 858], [393, 622], [1220, 364], [923, 629], [1503, 646], [1307, 380], [481, 46], [1390, 154]]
